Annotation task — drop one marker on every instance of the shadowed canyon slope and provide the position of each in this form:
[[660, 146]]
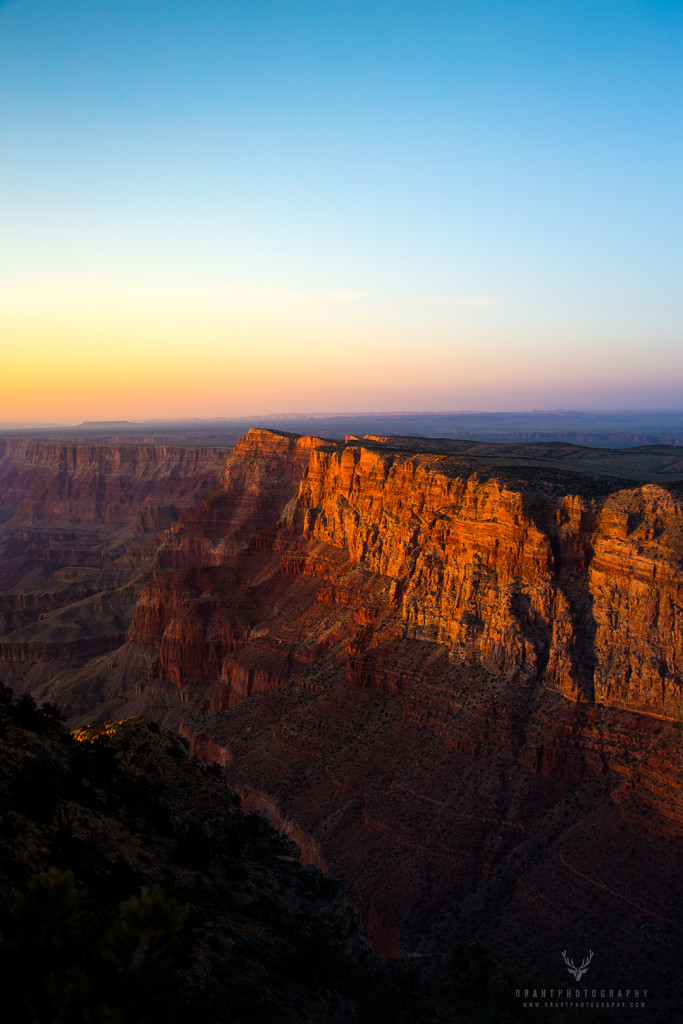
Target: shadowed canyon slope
[[451, 671], [77, 537]]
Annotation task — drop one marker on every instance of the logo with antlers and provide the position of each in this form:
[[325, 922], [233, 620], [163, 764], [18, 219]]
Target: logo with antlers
[[579, 971]]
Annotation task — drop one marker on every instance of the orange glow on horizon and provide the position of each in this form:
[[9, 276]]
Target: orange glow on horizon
[[110, 353]]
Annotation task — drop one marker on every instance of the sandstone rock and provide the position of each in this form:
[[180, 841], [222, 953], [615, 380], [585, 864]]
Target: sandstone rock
[[540, 587]]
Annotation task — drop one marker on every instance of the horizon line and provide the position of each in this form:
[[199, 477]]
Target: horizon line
[[216, 420]]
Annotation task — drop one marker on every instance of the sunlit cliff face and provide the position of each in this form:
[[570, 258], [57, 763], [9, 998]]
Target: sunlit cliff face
[[535, 584]]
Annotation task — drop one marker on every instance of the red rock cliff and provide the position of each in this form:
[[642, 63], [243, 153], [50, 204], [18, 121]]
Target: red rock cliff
[[583, 594], [580, 593]]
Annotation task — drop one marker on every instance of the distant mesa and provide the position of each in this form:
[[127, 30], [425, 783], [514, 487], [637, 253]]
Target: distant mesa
[[105, 423]]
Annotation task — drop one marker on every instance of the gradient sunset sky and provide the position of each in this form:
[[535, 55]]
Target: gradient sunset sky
[[226, 207]]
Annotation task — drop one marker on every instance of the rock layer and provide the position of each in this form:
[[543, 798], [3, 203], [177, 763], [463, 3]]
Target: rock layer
[[580, 593], [78, 526]]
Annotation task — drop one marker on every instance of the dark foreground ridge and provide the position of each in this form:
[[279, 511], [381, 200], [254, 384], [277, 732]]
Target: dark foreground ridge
[[135, 889]]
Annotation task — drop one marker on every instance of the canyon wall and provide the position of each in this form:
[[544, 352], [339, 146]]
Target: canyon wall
[[107, 484], [578, 592], [78, 528], [584, 594]]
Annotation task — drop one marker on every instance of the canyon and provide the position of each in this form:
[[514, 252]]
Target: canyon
[[78, 528], [451, 671]]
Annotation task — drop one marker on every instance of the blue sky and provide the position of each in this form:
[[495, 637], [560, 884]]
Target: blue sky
[[217, 208]]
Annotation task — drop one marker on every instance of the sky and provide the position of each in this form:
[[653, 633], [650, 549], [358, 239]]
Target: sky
[[227, 207]]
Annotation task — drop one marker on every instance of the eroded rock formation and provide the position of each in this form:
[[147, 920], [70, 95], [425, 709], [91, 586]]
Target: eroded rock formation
[[78, 527], [577, 592], [455, 668]]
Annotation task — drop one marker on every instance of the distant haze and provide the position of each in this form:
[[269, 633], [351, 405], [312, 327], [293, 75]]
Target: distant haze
[[610, 429], [211, 209]]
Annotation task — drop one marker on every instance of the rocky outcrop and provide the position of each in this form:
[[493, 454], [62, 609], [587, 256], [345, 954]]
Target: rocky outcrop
[[263, 472], [583, 594], [190, 613], [636, 589], [576, 592]]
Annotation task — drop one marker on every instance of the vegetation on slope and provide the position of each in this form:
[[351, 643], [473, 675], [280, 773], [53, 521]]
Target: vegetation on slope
[[133, 888]]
